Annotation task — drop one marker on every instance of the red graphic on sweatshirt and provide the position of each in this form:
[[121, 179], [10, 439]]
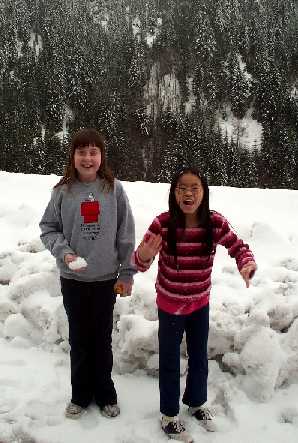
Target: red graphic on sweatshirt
[[90, 211]]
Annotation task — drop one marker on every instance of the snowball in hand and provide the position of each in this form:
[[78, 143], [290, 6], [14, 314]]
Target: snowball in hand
[[78, 263]]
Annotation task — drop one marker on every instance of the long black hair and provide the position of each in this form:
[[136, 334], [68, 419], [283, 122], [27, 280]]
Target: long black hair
[[177, 217]]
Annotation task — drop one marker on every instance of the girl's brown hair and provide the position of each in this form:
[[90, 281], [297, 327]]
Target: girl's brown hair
[[81, 138]]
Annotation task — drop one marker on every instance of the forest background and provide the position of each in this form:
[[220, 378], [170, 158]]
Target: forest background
[[210, 83]]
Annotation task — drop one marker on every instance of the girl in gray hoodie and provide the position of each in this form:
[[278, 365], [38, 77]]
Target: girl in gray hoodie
[[89, 228]]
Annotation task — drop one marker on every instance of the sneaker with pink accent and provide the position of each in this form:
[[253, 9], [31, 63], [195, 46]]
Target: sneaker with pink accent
[[175, 429], [204, 417]]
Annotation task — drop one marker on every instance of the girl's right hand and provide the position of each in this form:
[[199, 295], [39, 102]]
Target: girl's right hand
[[149, 247], [68, 258]]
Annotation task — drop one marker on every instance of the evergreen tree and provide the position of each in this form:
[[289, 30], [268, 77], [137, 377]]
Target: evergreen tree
[[153, 77], [218, 160]]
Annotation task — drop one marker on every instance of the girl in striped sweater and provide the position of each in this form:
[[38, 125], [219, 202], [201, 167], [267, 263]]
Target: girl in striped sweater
[[186, 238]]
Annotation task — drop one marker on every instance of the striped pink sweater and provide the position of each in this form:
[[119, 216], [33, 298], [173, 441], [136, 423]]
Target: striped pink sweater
[[185, 288]]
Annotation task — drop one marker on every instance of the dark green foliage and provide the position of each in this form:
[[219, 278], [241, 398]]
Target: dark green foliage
[[154, 77]]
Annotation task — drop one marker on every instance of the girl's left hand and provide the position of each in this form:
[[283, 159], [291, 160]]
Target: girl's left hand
[[247, 272], [123, 288]]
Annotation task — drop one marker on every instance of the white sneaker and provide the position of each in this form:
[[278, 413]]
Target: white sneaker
[[73, 411], [175, 429], [110, 411], [204, 417]]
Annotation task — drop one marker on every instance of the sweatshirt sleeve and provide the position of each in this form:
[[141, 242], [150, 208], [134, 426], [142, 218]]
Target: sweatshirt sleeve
[[154, 228], [125, 240], [226, 237], [52, 231]]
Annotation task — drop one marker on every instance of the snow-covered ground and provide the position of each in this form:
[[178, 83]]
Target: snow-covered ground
[[253, 345]]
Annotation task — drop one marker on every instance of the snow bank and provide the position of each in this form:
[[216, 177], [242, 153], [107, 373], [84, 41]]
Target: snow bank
[[253, 333]]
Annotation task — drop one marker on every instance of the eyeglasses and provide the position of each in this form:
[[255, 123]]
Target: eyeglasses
[[184, 189]]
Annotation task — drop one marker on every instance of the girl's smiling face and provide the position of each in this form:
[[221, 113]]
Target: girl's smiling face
[[87, 161], [189, 193]]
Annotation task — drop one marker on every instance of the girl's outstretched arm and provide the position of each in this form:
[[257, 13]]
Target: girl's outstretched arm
[[248, 271], [149, 247], [237, 249]]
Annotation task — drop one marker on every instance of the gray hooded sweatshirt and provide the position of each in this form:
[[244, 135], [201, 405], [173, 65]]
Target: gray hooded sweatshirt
[[91, 222]]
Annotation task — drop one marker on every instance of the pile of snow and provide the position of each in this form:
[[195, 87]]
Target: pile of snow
[[253, 343]]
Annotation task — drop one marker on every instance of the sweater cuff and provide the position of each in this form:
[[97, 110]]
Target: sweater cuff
[[65, 252], [140, 264], [245, 261], [127, 278]]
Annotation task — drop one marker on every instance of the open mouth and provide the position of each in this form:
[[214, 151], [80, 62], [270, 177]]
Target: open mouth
[[188, 202]]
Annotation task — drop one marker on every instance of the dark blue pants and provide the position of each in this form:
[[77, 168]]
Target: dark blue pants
[[170, 334], [89, 308]]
